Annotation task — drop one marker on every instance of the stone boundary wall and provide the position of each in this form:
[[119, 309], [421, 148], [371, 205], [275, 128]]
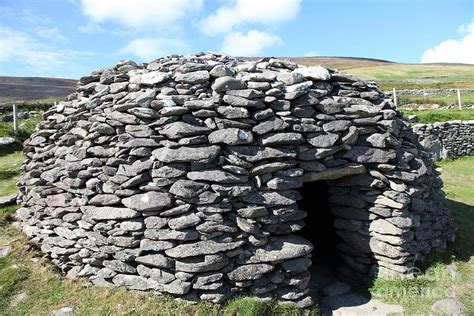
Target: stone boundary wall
[[21, 116], [451, 139]]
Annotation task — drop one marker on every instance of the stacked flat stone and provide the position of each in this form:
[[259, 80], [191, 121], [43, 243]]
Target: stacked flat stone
[[181, 176], [451, 139]]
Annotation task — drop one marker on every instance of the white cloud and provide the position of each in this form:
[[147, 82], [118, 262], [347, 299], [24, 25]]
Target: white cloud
[[251, 44], [453, 51], [465, 28], [51, 33], [96, 28], [227, 18], [140, 13], [23, 16], [90, 28], [25, 51], [149, 48]]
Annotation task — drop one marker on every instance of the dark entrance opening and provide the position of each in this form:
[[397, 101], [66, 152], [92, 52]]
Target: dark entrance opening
[[319, 230], [319, 222]]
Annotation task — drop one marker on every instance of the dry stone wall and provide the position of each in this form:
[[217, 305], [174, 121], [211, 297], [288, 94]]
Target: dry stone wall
[[451, 139], [181, 176], [21, 116]]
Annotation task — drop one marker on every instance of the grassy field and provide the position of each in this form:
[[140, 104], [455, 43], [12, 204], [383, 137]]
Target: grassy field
[[340, 63], [9, 170], [417, 76], [467, 99], [447, 73], [11, 158], [431, 116]]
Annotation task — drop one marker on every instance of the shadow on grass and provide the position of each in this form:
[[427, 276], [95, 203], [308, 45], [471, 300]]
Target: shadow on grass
[[6, 174], [10, 150]]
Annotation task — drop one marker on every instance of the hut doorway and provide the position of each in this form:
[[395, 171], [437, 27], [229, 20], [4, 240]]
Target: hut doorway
[[319, 230], [319, 223]]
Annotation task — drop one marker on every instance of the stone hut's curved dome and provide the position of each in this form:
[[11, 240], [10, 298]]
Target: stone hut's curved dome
[[183, 176]]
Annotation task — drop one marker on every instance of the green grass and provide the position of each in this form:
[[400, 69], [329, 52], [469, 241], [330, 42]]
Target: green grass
[[444, 100], [10, 280], [415, 71], [6, 212], [440, 115], [25, 128], [11, 160], [417, 295], [420, 76], [12, 157], [458, 177]]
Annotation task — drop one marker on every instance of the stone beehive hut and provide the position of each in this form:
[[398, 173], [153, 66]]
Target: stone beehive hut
[[206, 176]]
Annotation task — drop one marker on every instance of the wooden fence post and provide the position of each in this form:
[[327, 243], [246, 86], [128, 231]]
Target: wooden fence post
[[395, 97], [15, 119], [459, 99]]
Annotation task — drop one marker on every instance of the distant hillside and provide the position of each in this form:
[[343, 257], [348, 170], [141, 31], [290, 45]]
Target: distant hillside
[[418, 76], [341, 63], [15, 89]]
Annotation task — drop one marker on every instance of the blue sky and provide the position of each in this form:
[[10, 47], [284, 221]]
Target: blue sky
[[70, 38]]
